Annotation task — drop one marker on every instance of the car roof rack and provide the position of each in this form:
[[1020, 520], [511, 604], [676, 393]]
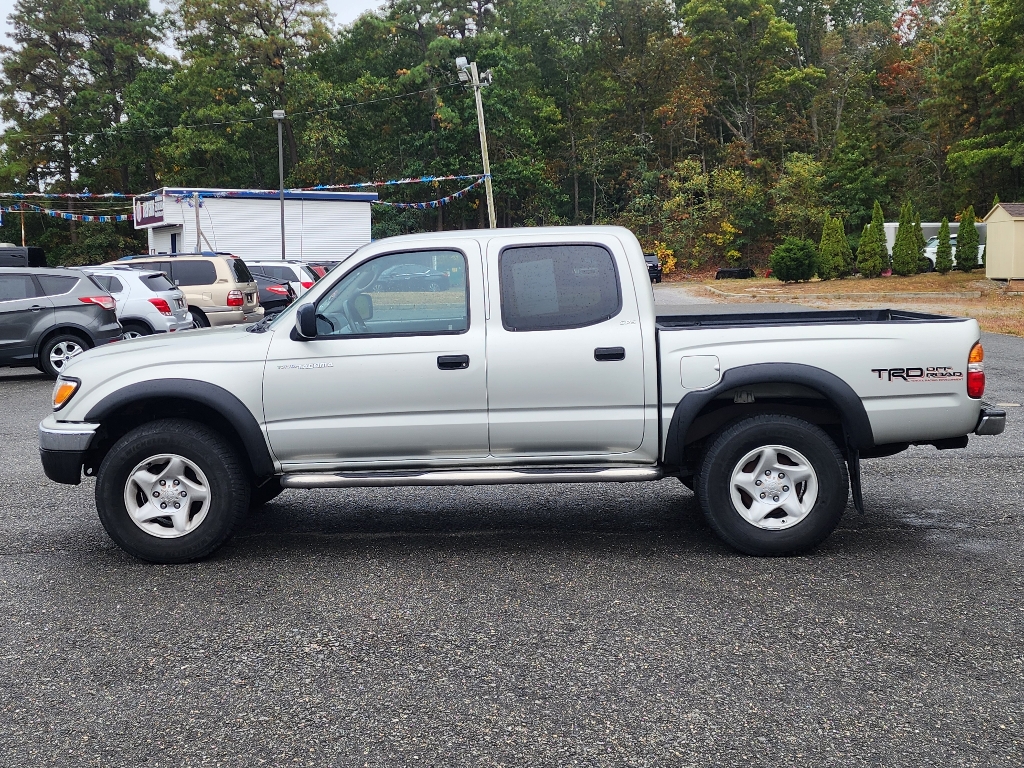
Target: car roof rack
[[174, 255]]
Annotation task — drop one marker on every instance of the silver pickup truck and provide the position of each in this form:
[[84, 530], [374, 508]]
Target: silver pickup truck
[[509, 356]]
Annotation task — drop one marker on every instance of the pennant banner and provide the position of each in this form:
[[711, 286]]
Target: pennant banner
[[66, 215], [393, 182], [434, 203]]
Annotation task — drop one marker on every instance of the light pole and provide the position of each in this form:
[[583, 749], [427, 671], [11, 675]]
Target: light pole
[[279, 116], [468, 74]]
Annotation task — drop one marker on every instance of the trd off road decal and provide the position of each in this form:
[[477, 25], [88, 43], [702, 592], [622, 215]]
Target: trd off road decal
[[932, 373]]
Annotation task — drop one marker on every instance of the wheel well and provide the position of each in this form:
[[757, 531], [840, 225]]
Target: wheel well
[[137, 321], [742, 402], [69, 330], [196, 310], [119, 423]]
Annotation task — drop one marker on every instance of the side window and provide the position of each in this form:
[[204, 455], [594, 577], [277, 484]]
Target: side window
[[116, 286], [241, 270], [374, 300], [548, 287], [193, 273], [276, 273], [103, 281], [15, 287], [56, 285]]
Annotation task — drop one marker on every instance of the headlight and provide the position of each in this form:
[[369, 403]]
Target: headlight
[[63, 391]]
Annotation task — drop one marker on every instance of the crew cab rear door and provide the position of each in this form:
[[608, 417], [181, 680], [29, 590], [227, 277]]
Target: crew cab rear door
[[565, 373]]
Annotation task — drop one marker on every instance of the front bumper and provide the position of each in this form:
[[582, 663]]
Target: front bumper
[[62, 449], [992, 420]]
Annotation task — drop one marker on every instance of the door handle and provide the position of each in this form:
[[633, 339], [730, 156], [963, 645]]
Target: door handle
[[610, 353], [35, 308], [452, 362]]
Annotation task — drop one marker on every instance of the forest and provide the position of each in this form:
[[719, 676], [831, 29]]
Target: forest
[[712, 128]]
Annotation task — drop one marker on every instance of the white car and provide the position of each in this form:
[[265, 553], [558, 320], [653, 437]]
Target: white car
[[931, 247], [298, 273], [147, 302]]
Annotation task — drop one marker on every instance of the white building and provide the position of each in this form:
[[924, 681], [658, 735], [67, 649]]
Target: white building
[[319, 226]]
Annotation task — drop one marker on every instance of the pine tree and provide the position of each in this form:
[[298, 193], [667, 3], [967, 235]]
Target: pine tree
[[922, 263], [830, 259], [967, 242], [904, 250], [871, 253], [944, 251]]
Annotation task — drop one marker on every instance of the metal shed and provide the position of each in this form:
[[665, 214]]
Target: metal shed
[[319, 226], [1004, 259]]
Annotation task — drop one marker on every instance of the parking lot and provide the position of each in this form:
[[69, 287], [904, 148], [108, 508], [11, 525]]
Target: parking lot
[[530, 625]]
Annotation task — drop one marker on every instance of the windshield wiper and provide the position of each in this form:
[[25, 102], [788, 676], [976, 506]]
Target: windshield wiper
[[262, 325]]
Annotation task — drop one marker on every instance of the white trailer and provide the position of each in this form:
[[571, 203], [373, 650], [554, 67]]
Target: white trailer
[[319, 226], [930, 229]]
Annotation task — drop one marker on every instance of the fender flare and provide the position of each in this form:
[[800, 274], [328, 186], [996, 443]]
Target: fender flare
[[210, 395], [55, 330], [851, 409]]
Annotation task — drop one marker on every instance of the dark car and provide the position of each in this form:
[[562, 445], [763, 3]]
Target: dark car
[[274, 295], [412, 277], [734, 273], [48, 316], [653, 267]]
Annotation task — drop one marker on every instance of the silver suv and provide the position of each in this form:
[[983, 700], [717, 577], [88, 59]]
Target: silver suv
[[147, 302], [49, 316], [298, 273]]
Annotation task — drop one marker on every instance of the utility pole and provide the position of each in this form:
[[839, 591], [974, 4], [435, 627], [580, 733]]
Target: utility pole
[[22, 209], [279, 116], [199, 230], [468, 72]]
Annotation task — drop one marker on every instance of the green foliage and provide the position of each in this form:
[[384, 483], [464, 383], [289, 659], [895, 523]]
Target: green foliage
[[795, 259], [871, 253], [967, 242], [849, 263], [944, 250], [832, 259], [904, 250]]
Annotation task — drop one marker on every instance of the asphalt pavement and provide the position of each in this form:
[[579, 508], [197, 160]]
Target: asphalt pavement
[[585, 625]]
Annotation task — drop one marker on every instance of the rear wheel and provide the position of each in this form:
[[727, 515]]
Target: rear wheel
[[171, 491], [199, 320], [773, 485], [134, 330], [58, 351]]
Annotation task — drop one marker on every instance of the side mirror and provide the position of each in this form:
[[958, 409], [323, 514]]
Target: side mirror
[[305, 322], [363, 305]]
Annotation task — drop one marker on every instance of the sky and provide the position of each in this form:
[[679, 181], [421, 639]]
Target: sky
[[345, 11]]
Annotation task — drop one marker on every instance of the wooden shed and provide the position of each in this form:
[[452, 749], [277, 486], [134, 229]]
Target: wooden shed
[[1004, 259]]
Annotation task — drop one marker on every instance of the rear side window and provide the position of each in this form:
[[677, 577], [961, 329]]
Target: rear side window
[[14, 287], [548, 287], [108, 283], [309, 273], [160, 266], [56, 285], [277, 273], [242, 273], [193, 273], [157, 283]]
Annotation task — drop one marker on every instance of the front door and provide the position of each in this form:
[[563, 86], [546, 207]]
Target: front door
[[565, 352], [396, 373]]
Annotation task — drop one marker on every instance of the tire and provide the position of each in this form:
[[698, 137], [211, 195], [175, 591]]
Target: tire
[[433, 286], [259, 496], [58, 351], [135, 330], [199, 320], [206, 461], [756, 454]]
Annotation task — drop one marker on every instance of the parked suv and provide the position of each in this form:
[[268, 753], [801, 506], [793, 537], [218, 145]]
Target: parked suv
[[49, 316], [298, 273], [218, 287], [147, 302]]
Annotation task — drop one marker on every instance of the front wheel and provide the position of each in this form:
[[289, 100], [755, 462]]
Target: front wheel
[[171, 491], [773, 485]]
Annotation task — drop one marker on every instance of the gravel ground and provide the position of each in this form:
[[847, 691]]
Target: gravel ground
[[569, 625]]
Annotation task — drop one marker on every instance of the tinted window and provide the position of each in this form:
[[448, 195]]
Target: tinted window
[[108, 283], [557, 286], [160, 266], [14, 287], [405, 312], [55, 285], [278, 273], [309, 274], [193, 273], [242, 273], [157, 283]]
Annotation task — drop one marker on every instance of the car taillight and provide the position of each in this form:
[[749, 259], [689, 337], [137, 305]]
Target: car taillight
[[235, 299], [307, 284], [280, 290], [976, 371], [107, 302], [162, 306]]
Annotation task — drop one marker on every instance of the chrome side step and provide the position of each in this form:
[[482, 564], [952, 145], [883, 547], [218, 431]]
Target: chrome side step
[[470, 477]]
